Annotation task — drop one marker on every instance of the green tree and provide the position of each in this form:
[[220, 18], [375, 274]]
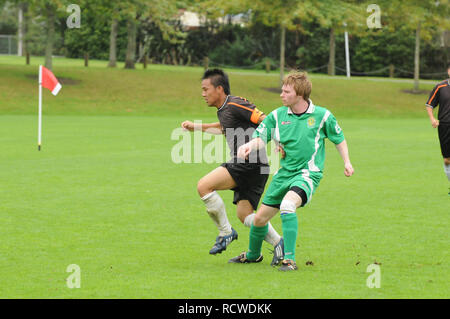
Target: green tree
[[421, 18], [49, 11], [115, 16], [159, 12], [338, 16], [285, 14]]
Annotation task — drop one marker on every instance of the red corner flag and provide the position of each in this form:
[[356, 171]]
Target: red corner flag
[[49, 81]]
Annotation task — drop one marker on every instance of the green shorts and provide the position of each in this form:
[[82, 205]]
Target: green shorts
[[283, 180]]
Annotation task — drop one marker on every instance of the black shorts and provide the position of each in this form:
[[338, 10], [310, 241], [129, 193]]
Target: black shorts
[[444, 138], [250, 179]]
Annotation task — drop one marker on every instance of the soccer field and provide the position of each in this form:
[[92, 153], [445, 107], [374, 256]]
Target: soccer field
[[105, 195]]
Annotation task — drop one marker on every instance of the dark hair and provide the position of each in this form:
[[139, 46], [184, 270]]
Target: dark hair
[[218, 78]]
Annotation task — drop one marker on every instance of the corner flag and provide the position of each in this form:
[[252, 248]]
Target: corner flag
[[48, 80]]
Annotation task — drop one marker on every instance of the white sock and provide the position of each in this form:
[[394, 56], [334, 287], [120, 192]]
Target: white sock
[[447, 171], [272, 236], [216, 210]]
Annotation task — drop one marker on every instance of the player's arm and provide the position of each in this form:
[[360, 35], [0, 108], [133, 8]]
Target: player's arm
[[261, 137], [247, 111], [334, 133], [433, 120], [255, 144], [212, 128], [342, 148], [261, 118], [278, 147], [432, 102]]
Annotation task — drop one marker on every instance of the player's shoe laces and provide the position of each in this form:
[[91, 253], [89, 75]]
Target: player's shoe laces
[[278, 253], [222, 242], [242, 259], [288, 265]]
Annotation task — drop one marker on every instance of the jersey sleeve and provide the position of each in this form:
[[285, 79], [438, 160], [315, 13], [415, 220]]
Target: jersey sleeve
[[246, 111], [265, 129], [433, 99], [333, 131]]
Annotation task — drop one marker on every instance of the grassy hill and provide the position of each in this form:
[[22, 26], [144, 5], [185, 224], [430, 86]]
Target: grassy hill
[[167, 90]]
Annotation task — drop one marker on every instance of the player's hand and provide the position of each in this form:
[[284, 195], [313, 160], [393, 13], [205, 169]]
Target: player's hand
[[244, 151], [434, 123], [280, 149], [348, 169], [188, 125]]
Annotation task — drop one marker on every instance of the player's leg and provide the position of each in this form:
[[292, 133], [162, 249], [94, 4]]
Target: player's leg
[[259, 227], [246, 216], [293, 199], [447, 167], [218, 179], [243, 210], [270, 206], [258, 181], [259, 230], [444, 140], [256, 236], [447, 170], [301, 189]]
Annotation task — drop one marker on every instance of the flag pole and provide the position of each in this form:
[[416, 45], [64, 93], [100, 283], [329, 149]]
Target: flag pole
[[40, 109]]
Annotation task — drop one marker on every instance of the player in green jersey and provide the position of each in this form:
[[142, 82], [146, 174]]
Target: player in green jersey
[[300, 127]]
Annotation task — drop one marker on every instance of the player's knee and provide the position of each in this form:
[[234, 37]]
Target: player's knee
[[260, 221], [447, 161], [242, 214], [287, 206], [243, 209], [242, 217], [203, 188]]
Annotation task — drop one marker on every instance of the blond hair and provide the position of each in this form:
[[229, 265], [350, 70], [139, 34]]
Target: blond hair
[[300, 82]]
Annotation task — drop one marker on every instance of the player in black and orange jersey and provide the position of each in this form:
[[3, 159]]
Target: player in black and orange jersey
[[238, 119], [440, 95]]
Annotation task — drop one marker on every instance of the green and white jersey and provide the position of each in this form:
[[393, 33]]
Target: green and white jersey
[[302, 137]]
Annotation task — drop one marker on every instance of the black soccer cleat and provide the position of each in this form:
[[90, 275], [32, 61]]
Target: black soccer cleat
[[222, 242], [288, 265], [278, 253], [242, 259]]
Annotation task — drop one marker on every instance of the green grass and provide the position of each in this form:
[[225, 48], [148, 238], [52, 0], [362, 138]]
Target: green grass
[[104, 194]]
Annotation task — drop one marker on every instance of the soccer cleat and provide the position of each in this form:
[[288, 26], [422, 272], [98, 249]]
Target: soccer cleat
[[278, 253], [222, 242], [242, 259], [288, 265]]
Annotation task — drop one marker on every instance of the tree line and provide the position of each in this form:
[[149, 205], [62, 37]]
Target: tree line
[[402, 38]]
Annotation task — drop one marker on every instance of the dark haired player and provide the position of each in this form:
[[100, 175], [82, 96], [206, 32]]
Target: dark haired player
[[440, 95], [238, 119]]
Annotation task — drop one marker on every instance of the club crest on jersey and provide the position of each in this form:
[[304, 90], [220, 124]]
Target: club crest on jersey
[[311, 122], [285, 122]]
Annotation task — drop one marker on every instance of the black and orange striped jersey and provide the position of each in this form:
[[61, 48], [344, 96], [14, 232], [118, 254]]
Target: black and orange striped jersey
[[239, 118], [440, 95]]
